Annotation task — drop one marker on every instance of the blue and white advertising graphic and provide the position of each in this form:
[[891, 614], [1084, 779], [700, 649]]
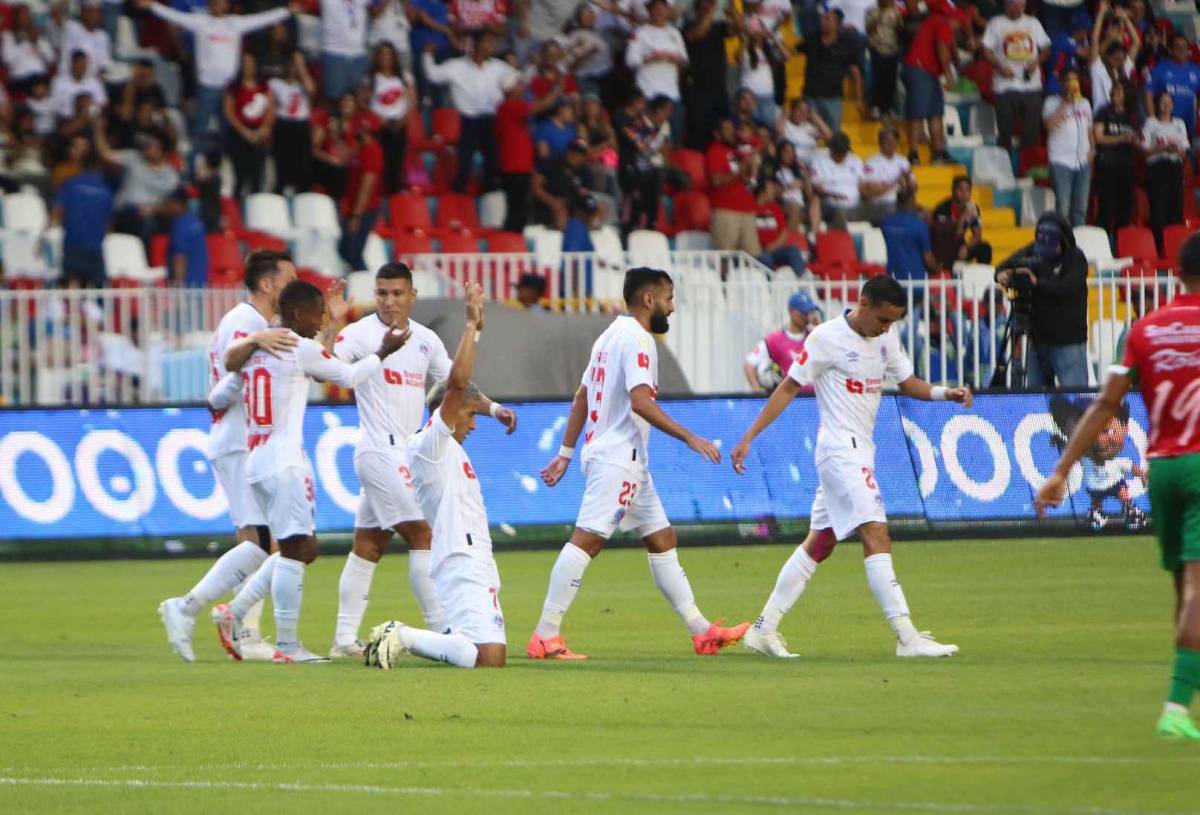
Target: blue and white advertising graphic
[[142, 471]]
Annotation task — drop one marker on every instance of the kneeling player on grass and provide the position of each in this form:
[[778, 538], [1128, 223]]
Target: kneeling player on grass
[[847, 359], [463, 570], [1162, 356], [617, 400], [277, 468]]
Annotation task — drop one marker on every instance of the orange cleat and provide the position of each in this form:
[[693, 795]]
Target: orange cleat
[[551, 648], [718, 637]]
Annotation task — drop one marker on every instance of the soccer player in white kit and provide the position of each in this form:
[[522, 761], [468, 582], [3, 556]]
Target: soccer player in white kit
[[847, 360], [266, 274], [616, 399], [391, 404], [277, 468], [462, 566]]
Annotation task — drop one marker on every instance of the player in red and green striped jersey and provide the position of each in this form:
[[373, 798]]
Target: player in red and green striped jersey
[[1162, 358]]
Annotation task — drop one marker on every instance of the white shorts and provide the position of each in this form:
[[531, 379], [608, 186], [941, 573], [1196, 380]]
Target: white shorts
[[616, 498], [848, 496], [387, 496], [469, 589], [288, 501], [231, 475]]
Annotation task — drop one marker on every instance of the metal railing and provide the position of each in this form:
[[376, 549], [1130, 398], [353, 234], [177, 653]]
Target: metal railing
[[142, 345]]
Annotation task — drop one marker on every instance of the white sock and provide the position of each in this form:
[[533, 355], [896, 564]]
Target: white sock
[[253, 617], [287, 593], [790, 584], [673, 583], [565, 579], [256, 587], [230, 569], [354, 588], [454, 649], [424, 589], [881, 577]]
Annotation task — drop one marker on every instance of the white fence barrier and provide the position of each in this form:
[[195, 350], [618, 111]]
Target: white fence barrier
[[149, 345]]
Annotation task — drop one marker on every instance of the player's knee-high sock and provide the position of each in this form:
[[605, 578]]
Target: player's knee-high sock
[[230, 569], [790, 584], [425, 590], [287, 592], [673, 583], [454, 649], [882, 579], [565, 579], [255, 588], [354, 588], [1185, 678]]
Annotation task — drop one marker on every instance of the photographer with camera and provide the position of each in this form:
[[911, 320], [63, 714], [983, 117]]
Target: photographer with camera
[[1047, 283]]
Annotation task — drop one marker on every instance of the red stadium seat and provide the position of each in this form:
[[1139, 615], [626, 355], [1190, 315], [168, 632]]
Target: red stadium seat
[[457, 243], [447, 126], [1137, 242], [456, 211], [261, 240], [224, 261], [1173, 238], [159, 246], [691, 162], [405, 245], [837, 259], [507, 242], [232, 213], [322, 282], [418, 140], [1034, 161], [797, 240], [692, 211], [409, 212], [1141, 207]]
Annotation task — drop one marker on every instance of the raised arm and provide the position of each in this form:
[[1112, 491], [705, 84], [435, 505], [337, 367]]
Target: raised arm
[[245, 23], [557, 467], [1096, 46], [182, 19], [464, 357]]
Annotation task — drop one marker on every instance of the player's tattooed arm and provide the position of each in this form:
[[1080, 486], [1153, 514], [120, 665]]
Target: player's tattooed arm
[[274, 341], [920, 389], [1083, 437], [557, 468], [336, 309], [644, 404], [780, 399]]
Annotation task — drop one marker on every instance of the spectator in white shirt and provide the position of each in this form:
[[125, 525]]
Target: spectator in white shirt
[[588, 54], [344, 44], [1109, 60], [804, 129], [1165, 140], [291, 142], [1070, 143], [838, 179], [218, 44], [391, 25], [88, 35], [656, 54], [477, 89], [393, 100], [76, 81], [885, 175], [26, 53], [1017, 45]]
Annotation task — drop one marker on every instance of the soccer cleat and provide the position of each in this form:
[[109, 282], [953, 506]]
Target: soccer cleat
[[769, 645], [253, 647], [228, 631], [1176, 725], [718, 637], [1135, 519], [298, 656], [392, 646], [551, 648], [354, 650], [924, 645], [179, 628], [1097, 520]]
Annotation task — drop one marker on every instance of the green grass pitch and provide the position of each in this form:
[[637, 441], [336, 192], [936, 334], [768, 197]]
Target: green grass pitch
[[1050, 708]]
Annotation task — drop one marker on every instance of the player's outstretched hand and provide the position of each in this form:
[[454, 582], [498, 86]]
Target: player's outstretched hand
[[1051, 494], [508, 418], [961, 395], [555, 470], [705, 448], [336, 304], [738, 457], [393, 340], [475, 305], [275, 341]]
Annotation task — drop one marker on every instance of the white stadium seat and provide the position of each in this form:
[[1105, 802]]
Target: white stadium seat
[[125, 259], [649, 248], [493, 208], [268, 212], [1093, 242], [25, 212], [691, 240]]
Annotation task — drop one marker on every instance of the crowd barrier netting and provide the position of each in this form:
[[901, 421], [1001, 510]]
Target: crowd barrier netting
[[141, 472]]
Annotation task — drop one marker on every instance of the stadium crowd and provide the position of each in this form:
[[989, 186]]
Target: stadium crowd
[[587, 113]]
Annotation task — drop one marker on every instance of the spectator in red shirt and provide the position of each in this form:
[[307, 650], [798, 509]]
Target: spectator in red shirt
[[550, 76], [928, 64], [360, 205], [250, 111], [731, 179], [771, 225], [332, 144], [514, 141]]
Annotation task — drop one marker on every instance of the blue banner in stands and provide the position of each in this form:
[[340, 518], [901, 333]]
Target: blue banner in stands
[[141, 471]]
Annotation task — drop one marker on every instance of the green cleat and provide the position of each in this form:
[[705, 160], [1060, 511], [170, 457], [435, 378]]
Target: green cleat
[[1177, 726]]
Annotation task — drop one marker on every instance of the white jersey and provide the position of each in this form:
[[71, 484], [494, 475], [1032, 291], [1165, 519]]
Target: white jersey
[[276, 394], [228, 432], [623, 357], [448, 493], [1105, 475], [848, 372], [391, 403]]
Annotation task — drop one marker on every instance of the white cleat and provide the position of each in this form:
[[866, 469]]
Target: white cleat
[[769, 645], [253, 647], [229, 633], [298, 656], [353, 650], [924, 645], [389, 642], [179, 627]]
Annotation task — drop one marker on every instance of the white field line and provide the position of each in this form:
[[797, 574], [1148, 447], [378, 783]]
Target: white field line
[[774, 801]]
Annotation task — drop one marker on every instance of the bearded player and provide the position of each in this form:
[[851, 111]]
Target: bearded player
[[617, 400], [847, 361], [391, 404], [1162, 358]]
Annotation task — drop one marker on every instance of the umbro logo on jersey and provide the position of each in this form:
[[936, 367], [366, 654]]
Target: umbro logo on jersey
[[852, 356]]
